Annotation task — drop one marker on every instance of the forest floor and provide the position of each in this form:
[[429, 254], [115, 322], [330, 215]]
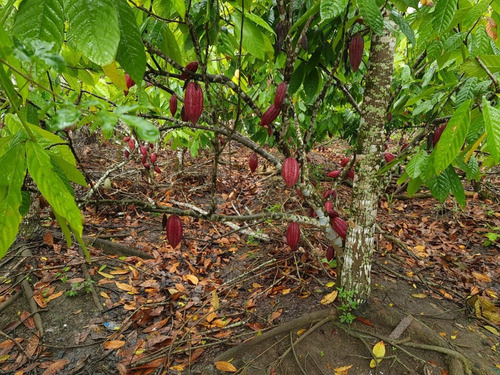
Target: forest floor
[[188, 310]]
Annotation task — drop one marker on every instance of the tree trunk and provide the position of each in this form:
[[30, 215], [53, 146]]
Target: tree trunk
[[356, 260]]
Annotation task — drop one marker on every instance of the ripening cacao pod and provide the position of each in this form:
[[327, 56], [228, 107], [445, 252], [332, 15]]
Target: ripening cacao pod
[[157, 170], [331, 192], [126, 154], [192, 66], [340, 226], [388, 157], [270, 115], [293, 235], [312, 213], [126, 139], [193, 102], [152, 157], [131, 144], [404, 146], [344, 162], [183, 114], [143, 159], [350, 175], [174, 230], [330, 253], [129, 82], [151, 145], [253, 162], [290, 171], [356, 51], [328, 207], [144, 151], [333, 214], [280, 94], [146, 165], [437, 134], [173, 105], [334, 174], [389, 117]]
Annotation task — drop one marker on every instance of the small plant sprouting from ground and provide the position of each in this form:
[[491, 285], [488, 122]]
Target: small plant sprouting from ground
[[76, 287], [347, 305]]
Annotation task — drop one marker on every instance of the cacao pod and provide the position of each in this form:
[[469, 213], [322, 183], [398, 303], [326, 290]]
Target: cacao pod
[[129, 81], [173, 105], [333, 214], [157, 170], [192, 66], [388, 157], [144, 151], [183, 114], [174, 230], [334, 174], [331, 192], [126, 153], [437, 134], [330, 253], [152, 157], [270, 115], [151, 145], [126, 139], [164, 221], [328, 207], [404, 146], [356, 51], [280, 94], [290, 171], [340, 226], [344, 162], [143, 159], [193, 102], [293, 235], [312, 213], [303, 42], [131, 144], [146, 165], [389, 117], [253, 162], [350, 175]]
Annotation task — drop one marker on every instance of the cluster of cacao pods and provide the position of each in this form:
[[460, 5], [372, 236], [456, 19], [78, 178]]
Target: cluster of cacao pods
[[343, 163], [173, 227], [130, 82], [274, 110], [193, 97], [144, 151]]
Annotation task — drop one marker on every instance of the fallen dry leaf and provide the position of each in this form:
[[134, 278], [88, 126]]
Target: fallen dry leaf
[[344, 370], [225, 366], [113, 344], [329, 298], [55, 367]]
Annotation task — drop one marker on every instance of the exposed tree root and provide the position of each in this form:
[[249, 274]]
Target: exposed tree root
[[113, 248]]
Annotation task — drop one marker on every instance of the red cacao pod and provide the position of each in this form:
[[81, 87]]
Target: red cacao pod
[[389, 117], [328, 207], [146, 165], [193, 102], [192, 66], [129, 81], [253, 162], [330, 253], [143, 159], [344, 162], [183, 114], [404, 146], [334, 174], [270, 115], [340, 226], [280, 94], [144, 151], [356, 51], [350, 175], [174, 230], [126, 139], [173, 105], [131, 144], [126, 153], [151, 145], [388, 157], [157, 170], [333, 214], [293, 235], [152, 157], [437, 134], [312, 213], [330, 192], [290, 171]]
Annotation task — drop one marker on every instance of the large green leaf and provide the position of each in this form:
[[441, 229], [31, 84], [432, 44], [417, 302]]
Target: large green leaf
[[145, 130], [52, 187], [130, 54], [440, 187], [93, 29], [491, 117], [403, 26], [456, 186], [332, 8], [418, 164], [254, 41], [41, 19], [443, 15], [12, 175], [452, 138], [371, 15]]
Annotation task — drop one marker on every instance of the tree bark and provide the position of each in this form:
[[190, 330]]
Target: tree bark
[[356, 258]]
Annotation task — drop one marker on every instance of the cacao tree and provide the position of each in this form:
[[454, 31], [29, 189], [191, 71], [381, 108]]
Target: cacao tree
[[268, 75]]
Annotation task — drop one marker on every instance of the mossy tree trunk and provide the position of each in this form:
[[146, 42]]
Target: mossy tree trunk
[[356, 259]]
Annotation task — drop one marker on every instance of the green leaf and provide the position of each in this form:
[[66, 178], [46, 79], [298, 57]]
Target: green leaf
[[456, 186], [52, 187], [311, 84], [93, 29], [418, 164], [297, 78], [145, 130], [443, 15], [12, 176], [413, 186], [63, 118], [254, 41], [64, 228], [69, 170], [371, 15], [440, 187], [491, 117], [41, 19], [452, 138], [332, 8], [130, 54], [403, 26], [170, 45], [180, 7]]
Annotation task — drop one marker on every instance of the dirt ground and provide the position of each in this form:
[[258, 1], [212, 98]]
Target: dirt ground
[[180, 311]]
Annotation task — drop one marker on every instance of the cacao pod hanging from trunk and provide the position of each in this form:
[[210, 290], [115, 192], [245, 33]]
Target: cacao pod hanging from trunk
[[192, 66], [129, 82], [280, 94], [253, 162], [293, 235], [193, 102], [290, 171], [173, 105], [330, 253], [270, 115], [437, 134], [356, 51], [344, 162], [388, 157], [174, 230], [340, 226]]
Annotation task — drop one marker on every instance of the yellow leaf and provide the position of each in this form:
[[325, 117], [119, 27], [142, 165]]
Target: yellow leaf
[[342, 370], [116, 76], [106, 275], [379, 353], [492, 330], [113, 344], [330, 284], [301, 331], [481, 277], [419, 295], [126, 287], [329, 298], [215, 300], [225, 366], [192, 279]]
